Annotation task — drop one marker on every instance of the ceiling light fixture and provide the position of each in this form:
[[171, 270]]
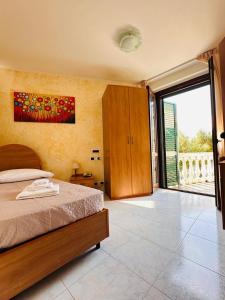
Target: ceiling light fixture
[[129, 39]]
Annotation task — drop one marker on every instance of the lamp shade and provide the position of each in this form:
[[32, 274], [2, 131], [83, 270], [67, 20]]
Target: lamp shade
[[75, 166]]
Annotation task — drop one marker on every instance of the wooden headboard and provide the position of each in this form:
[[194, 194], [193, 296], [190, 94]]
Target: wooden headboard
[[16, 156]]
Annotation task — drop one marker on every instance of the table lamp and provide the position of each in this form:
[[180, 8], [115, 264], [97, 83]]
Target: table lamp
[[75, 166]]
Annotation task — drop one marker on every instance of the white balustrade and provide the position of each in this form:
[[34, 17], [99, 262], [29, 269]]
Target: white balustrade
[[195, 167]]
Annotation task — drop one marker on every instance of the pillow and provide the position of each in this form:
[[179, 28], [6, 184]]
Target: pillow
[[23, 174]]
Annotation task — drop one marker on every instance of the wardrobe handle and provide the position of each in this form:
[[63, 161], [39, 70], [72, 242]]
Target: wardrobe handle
[[128, 140], [132, 139]]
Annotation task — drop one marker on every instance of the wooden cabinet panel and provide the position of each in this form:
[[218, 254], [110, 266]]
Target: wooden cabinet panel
[[126, 142], [222, 73], [119, 149], [140, 141]]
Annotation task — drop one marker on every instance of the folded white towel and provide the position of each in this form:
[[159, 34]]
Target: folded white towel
[[46, 189], [49, 185], [43, 181]]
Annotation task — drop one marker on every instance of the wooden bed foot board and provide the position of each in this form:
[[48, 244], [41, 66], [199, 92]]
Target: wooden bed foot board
[[26, 264]]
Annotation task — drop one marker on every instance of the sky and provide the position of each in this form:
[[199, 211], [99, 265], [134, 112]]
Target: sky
[[193, 110]]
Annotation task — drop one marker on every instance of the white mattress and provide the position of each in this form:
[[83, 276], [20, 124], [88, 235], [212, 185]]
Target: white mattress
[[22, 220]]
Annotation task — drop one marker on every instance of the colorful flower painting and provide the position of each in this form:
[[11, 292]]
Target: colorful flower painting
[[43, 108]]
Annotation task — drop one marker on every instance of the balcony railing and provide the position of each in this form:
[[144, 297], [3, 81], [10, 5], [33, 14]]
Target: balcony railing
[[195, 167]]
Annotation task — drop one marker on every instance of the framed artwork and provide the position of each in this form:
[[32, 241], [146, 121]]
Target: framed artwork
[[30, 107]]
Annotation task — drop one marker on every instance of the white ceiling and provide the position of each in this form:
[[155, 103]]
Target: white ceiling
[[77, 36]]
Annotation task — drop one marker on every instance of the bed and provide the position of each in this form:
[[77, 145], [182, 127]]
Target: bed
[[65, 230]]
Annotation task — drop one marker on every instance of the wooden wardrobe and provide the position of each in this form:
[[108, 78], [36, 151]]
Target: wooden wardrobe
[[126, 134]]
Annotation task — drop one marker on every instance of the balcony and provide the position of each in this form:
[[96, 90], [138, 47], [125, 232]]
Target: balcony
[[196, 172]]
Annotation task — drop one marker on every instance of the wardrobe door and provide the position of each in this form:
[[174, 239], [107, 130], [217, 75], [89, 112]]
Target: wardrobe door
[[140, 141], [120, 156]]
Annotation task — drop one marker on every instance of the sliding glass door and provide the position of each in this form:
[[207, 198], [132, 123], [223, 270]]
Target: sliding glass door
[[186, 138]]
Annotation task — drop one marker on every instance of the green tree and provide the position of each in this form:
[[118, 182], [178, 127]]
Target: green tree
[[202, 142], [184, 143]]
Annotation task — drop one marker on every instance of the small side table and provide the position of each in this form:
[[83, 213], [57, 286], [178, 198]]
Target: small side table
[[80, 179]]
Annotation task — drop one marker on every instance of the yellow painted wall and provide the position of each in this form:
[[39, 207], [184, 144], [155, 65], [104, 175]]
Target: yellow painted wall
[[58, 145]]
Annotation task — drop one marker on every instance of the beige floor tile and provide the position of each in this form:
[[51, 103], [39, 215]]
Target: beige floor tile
[[204, 252], [47, 289], [155, 294], [144, 258], [64, 296], [73, 271], [185, 280], [208, 231], [109, 281]]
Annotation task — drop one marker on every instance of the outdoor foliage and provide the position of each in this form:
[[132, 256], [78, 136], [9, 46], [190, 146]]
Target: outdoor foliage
[[202, 142]]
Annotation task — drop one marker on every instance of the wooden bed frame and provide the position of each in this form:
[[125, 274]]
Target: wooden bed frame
[[27, 263]]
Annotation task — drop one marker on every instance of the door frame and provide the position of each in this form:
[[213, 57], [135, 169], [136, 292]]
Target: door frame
[[214, 134], [186, 86]]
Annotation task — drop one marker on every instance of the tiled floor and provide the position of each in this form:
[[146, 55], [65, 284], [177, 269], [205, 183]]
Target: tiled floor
[[167, 246]]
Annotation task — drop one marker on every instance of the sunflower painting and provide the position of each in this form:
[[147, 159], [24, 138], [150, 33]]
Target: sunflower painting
[[43, 108]]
